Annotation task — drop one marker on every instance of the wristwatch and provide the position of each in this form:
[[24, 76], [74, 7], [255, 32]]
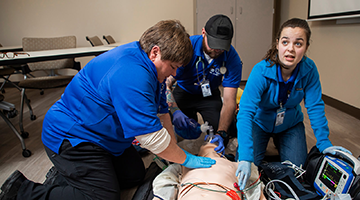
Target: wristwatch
[[224, 136]]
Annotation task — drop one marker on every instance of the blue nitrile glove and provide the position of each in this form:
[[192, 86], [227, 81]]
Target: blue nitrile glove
[[332, 150], [243, 172], [179, 120], [193, 162], [193, 131], [220, 142]]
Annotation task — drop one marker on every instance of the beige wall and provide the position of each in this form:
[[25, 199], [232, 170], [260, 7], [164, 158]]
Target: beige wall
[[125, 20], [335, 48]]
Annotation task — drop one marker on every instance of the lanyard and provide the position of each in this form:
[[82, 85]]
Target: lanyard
[[197, 70], [222, 70]]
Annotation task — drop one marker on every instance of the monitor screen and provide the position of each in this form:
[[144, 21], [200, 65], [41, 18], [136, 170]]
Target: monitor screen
[[330, 176], [333, 9]]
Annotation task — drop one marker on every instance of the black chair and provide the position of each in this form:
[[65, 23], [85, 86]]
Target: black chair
[[109, 39], [7, 110], [94, 41], [5, 73]]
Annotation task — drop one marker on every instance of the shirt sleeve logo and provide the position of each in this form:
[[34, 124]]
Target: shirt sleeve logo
[[215, 71]]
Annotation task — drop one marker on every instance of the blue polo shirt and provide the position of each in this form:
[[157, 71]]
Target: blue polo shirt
[[114, 98], [188, 76], [285, 87]]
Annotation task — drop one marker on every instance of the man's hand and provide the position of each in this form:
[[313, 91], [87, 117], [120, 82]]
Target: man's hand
[[220, 142], [179, 120], [193, 162]]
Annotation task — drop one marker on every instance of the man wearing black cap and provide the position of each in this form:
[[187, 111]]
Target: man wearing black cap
[[214, 62]]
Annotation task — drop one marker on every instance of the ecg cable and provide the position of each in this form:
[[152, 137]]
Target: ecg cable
[[228, 191], [234, 195], [298, 170]]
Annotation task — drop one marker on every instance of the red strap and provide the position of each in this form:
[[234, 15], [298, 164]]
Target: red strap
[[233, 195]]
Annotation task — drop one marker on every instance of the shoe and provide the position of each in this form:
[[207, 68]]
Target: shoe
[[51, 176], [11, 186]]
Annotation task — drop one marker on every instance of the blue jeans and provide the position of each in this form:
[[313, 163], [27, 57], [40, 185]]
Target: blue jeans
[[291, 144]]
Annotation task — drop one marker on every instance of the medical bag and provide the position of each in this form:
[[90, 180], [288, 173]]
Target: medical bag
[[279, 179]]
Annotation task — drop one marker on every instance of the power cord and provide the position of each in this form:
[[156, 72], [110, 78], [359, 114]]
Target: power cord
[[272, 194]]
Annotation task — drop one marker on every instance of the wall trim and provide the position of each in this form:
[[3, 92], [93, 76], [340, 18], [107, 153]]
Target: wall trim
[[344, 107]]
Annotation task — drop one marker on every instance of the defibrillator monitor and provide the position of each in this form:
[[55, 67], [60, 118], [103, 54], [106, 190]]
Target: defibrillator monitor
[[334, 176]]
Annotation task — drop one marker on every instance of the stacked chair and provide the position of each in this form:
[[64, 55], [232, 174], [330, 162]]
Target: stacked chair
[[94, 41], [109, 39]]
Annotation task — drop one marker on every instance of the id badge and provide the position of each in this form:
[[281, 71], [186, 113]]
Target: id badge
[[280, 116], [205, 88]]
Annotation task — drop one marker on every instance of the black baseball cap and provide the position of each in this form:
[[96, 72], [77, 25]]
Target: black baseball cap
[[219, 31]]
